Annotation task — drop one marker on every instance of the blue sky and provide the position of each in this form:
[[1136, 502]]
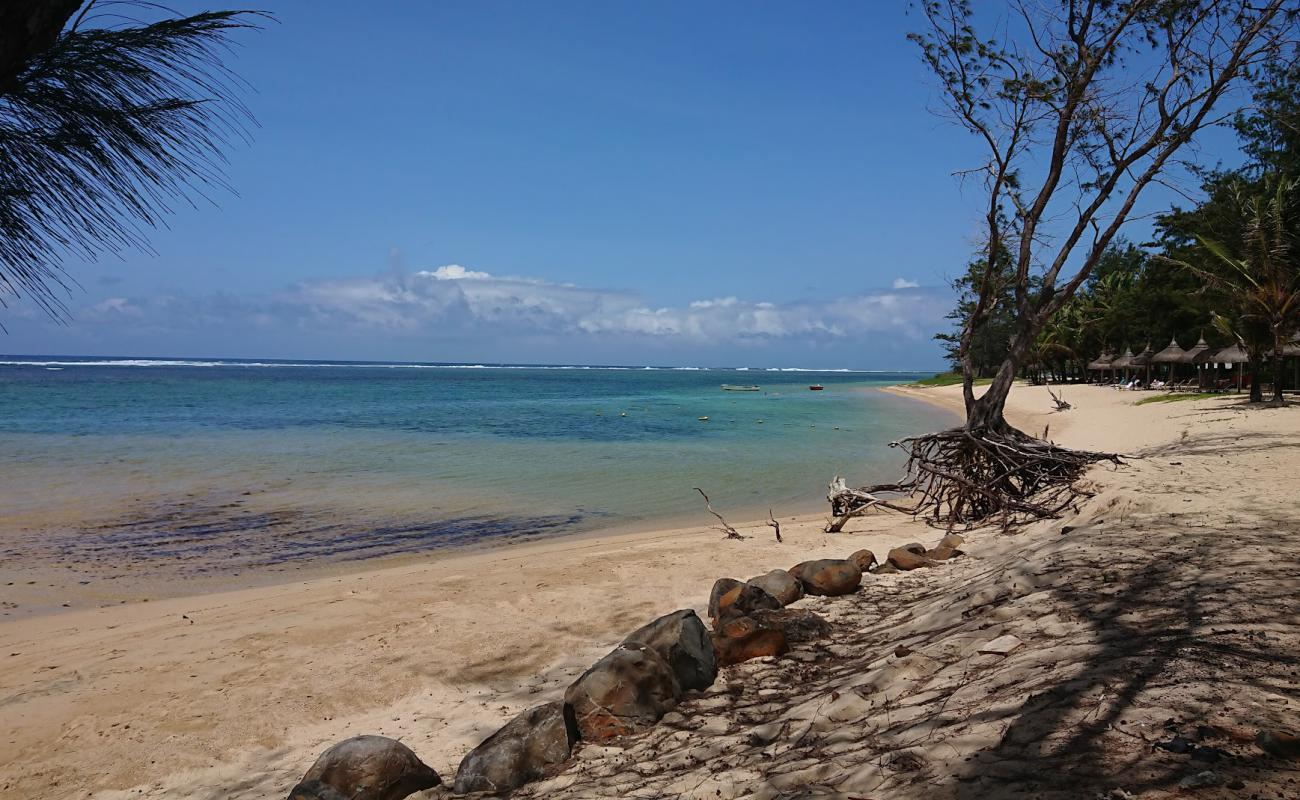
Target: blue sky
[[715, 183]]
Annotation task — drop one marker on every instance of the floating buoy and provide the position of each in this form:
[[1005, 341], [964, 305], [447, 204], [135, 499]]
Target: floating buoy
[[622, 413], [759, 421]]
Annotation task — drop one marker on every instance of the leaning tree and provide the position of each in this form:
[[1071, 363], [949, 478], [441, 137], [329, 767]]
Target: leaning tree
[[1078, 106], [106, 122]]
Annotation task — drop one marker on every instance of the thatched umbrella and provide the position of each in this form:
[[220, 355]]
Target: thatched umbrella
[[1232, 354], [1143, 359], [1173, 354], [1101, 363], [1124, 362], [1193, 356]]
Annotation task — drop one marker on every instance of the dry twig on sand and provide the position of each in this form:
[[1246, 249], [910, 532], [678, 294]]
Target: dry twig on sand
[[725, 526], [774, 525], [1061, 405]]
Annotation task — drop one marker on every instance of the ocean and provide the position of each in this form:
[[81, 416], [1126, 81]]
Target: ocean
[[145, 469]]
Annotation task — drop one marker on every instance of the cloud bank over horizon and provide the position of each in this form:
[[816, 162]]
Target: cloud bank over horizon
[[454, 313]]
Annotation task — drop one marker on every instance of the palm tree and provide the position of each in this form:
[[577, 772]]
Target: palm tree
[[1263, 282], [103, 128]]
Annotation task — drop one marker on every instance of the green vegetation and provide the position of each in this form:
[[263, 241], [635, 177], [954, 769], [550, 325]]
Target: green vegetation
[[1175, 398], [948, 379], [1226, 269]]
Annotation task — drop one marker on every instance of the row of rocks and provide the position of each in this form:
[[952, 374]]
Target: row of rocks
[[628, 690]]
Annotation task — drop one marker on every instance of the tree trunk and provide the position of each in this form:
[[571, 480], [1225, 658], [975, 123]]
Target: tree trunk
[[1256, 391], [1278, 343]]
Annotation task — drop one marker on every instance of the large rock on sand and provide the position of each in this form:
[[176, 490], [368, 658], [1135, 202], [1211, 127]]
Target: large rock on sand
[[624, 692], [733, 598], [905, 558], [681, 639], [865, 559], [798, 624], [738, 639], [520, 752], [828, 576], [365, 768], [785, 587], [946, 548]]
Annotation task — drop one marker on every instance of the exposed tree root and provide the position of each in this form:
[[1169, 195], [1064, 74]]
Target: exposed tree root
[[960, 479]]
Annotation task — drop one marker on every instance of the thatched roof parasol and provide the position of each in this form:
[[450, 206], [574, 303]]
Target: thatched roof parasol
[[1232, 354], [1193, 356], [1173, 354], [1103, 361], [1141, 359], [1292, 348], [1125, 361]]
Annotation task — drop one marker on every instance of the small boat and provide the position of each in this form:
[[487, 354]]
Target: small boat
[[816, 387], [727, 387], [704, 419]]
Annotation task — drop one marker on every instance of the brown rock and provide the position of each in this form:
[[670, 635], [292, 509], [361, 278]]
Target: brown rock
[[915, 547], [520, 752], [681, 639], [799, 625], [738, 639], [942, 553], [1279, 743], [953, 540], [904, 559], [828, 576], [865, 559], [733, 598], [785, 587], [624, 692], [886, 569], [365, 768]]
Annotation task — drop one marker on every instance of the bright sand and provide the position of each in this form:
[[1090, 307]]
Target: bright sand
[[233, 695]]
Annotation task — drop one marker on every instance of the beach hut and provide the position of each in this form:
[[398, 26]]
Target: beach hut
[[1171, 355]]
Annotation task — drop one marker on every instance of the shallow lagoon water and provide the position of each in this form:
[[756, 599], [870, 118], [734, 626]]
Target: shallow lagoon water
[[149, 467]]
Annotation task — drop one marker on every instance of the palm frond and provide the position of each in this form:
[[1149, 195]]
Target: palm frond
[[103, 133]]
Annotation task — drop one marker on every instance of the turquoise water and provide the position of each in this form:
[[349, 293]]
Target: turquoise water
[[204, 465]]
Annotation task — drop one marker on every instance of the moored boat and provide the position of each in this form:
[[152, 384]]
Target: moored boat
[[727, 387], [816, 387]]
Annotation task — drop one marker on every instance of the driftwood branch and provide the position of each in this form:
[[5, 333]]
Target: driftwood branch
[[723, 525], [961, 478], [774, 525], [1059, 400]]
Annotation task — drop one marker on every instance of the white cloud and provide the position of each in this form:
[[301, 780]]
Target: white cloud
[[455, 302], [454, 272], [453, 297], [904, 283]]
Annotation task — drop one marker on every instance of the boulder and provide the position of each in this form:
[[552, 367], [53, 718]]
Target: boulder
[[733, 598], [865, 559], [738, 639], [942, 553], [365, 768], [785, 587], [1279, 743], [953, 540], [520, 752], [915, 547], [885, 569], [798, 624], [828, 576], [624, 692], [681, 639], [905, 559]]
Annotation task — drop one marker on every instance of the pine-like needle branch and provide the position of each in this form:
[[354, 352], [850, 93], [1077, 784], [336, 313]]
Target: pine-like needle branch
[[102, 133]]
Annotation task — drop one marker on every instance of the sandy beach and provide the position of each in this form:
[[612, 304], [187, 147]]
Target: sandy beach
[[1170, 607]]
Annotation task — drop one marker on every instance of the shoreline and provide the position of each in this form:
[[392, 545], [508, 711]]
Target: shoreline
[[231, 695]]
